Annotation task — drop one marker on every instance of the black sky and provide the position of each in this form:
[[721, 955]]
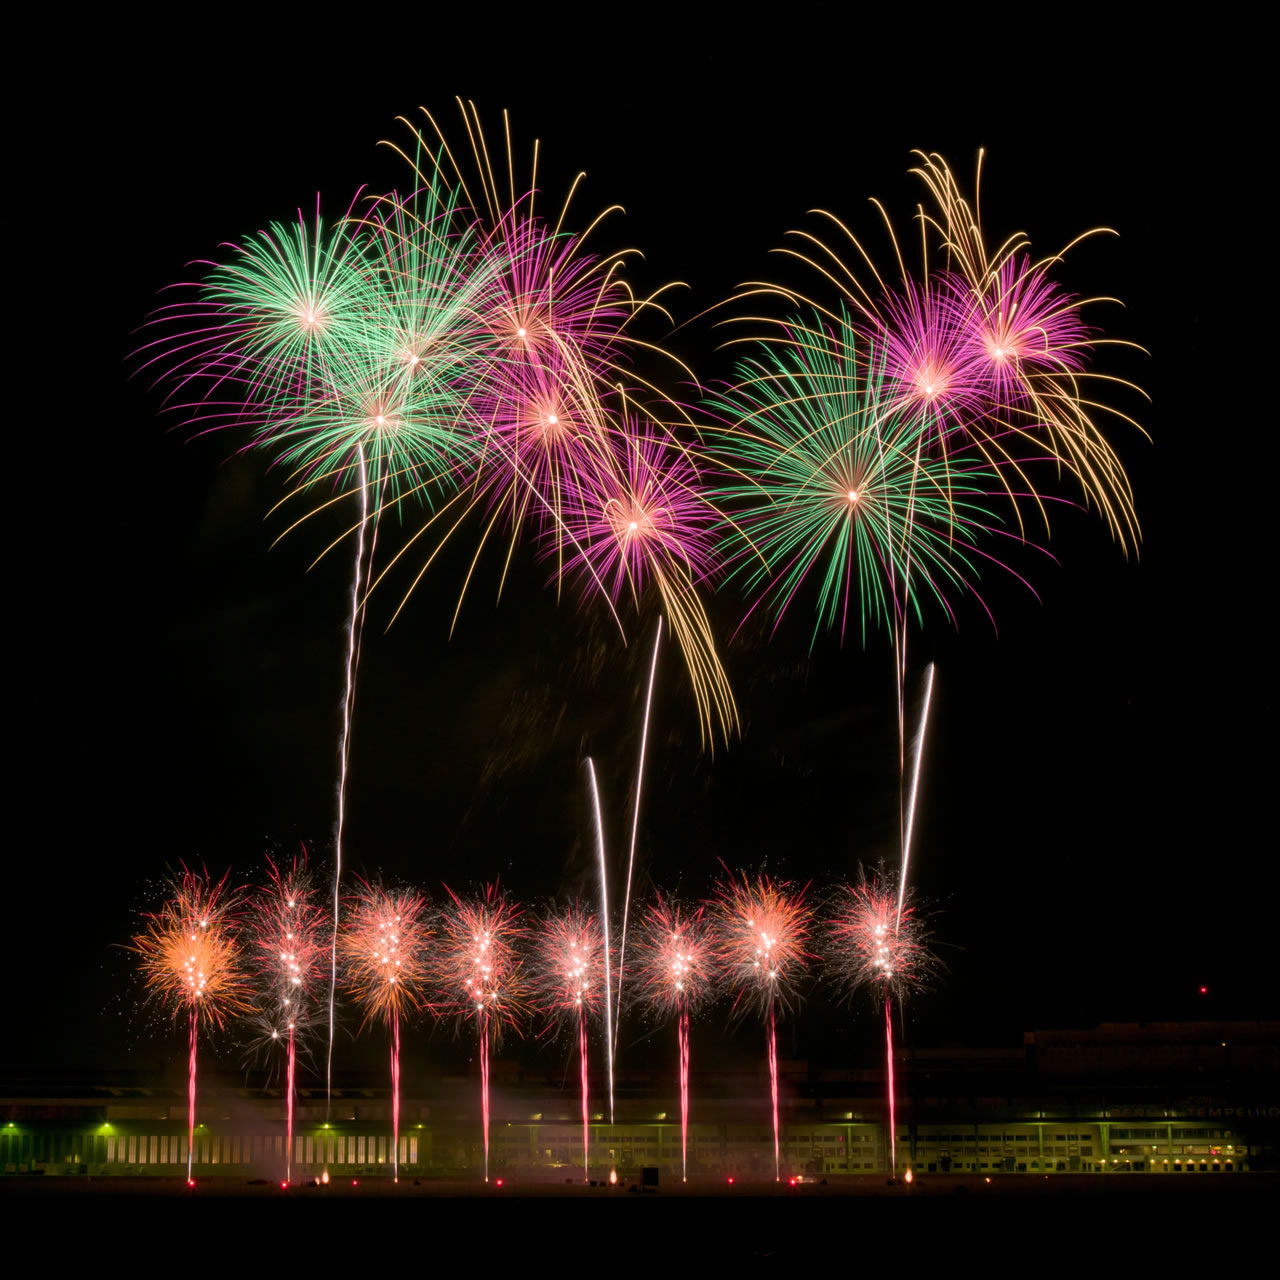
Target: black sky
[[1088, 833]]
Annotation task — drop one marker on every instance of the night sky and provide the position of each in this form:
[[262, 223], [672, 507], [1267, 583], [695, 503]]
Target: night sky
[[1087, 836]]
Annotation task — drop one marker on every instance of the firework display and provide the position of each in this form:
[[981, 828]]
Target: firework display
[[457, 362], [879, 943], [290, 945], [191, 961], [571, 988], [676, 959], [383, 947], [762, 929], [479, 973]]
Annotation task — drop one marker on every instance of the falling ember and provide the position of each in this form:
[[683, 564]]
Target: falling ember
[[190, 961], [383, 943], [676, 969], [571, 987], [480, 977], [762, 929]]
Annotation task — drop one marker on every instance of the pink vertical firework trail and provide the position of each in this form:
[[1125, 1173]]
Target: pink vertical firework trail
[[484, 1094], [675, 969], [586, 1115], [893, 1130], [191, 1096], [395, 1099], [773, 1091], [683, 1035], [290, 1077]]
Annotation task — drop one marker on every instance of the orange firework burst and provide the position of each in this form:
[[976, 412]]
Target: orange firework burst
[[763, 927], [383, 944], [190, 958]]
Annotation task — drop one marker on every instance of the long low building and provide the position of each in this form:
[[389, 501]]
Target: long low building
[[1158, 1099]]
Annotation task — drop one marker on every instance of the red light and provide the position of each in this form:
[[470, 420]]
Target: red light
[[499, 1182], [1204, 991], [731, 1182], [355, 1182], [792, 1181], [283, 1185], [191, 1182]]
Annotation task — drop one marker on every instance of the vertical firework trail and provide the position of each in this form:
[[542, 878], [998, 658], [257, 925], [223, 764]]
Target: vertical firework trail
[[586, 1116], [635, 825], [191, 1097], [345, 754], [484, 1093], [395, 1098], [893, 1129], [604, 924], [915, 783], [773, 1090], [682, 1031], [290, 1075]]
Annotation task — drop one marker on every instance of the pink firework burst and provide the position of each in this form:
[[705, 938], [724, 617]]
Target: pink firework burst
[[480, 974], [929, 363], [675, 954], [645, 517], [291, 937], [384, 943], [762, 928], [478, 970], [675, 958], [571, 988], [871, 949], [1023, 325]]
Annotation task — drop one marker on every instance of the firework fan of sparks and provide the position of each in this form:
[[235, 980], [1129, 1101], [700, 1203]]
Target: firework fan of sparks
[[988, 351], [190, 959], [569, 978], [289, 931], [869, 948], [478, 969], [836, 488], [762, 931], [383, 946], [675, 958]]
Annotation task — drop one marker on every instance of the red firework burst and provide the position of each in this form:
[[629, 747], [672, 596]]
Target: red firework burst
[[675, 958]]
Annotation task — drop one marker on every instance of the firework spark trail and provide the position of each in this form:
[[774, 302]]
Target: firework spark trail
[[570, 986], [893, 1130], [290, 1077], [683, 1034], [773, 1090], [582, 1060], [675, 972], [762, 934], [635, 825], [915, 783], [484, 1095], [190, 961], [191, 1097], [604, 924], [384, 945], [345, 754], [480, 975], [395, 1098]]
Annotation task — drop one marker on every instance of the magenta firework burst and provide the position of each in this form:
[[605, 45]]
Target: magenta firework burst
[[870, 947]]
